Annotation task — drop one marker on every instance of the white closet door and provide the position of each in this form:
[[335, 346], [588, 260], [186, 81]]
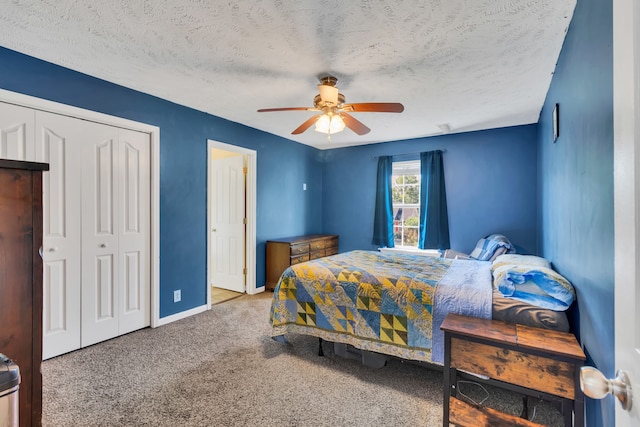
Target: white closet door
[[16, 133], [134, 231], [58, 143], [97, 224], [100, 224]]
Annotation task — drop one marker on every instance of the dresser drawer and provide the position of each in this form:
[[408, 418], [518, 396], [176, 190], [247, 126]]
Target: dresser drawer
[[317, 244], [332, 243], [299, 258], [317, 254], [331, 251], [302, 248]]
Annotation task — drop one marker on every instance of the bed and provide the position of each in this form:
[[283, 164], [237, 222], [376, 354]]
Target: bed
[[394, 303]]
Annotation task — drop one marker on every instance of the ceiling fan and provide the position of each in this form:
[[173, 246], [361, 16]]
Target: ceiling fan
[[334, 113]]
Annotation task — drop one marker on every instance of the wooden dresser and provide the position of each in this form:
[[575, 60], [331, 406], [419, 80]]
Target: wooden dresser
[[282, 253], [21, 280]]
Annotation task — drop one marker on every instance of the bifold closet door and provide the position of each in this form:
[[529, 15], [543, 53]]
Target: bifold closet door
[[100, 222], [134, 305], [115, 233], [16, 133], [96, 224], [59, 142]]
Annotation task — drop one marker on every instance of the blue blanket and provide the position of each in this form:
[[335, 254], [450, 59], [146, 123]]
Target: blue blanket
[[465, 289]]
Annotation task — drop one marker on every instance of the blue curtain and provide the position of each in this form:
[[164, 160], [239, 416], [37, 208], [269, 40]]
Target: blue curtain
[[434, 218], [383, 218]]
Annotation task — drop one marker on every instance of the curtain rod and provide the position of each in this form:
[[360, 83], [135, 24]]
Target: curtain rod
[[407, 154]]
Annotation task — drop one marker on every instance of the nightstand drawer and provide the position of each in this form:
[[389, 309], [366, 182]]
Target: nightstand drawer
[[537, 372]]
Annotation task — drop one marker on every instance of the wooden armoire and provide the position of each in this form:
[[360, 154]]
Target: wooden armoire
[[21, 279]]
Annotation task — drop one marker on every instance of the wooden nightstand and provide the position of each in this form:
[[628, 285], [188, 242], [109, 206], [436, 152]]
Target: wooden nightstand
[[532, 361]]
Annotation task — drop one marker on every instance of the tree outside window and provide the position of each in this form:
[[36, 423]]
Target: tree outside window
[[406, 202]]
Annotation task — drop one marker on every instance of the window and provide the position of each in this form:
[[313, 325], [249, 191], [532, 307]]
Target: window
[[406, 202]]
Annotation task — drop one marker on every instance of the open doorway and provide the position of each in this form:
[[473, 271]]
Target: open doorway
[[231, 241]]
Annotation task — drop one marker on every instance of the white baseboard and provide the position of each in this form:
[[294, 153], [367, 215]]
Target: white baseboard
[[182, 315], [256, 291]]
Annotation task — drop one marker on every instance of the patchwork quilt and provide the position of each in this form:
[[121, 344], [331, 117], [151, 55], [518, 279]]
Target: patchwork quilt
[[374, 301]]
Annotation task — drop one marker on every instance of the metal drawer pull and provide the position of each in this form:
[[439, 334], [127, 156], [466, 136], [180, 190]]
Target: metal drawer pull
[[103, 245]]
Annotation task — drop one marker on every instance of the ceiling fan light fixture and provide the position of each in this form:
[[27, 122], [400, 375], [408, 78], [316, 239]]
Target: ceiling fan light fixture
[[323, 124], [337, 124], [330, 124]]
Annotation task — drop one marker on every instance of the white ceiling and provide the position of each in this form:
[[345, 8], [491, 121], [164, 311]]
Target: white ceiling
[[468, 64]]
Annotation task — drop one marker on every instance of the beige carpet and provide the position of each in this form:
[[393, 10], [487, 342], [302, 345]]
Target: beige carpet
[[221, 368]]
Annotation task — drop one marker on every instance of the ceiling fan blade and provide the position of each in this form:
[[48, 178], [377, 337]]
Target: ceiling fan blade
[[375, 107], [354, 124], [266, 110], [306, 125]]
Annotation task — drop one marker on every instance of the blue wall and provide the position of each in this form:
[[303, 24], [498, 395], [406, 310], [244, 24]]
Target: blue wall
[[576, 184], [283, 208], [490, 179]]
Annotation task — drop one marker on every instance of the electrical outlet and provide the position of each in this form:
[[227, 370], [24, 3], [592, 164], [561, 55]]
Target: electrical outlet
[[177, 296]]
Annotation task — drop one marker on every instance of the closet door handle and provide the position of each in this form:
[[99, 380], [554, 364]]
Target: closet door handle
[[103, 245], [52, 249]]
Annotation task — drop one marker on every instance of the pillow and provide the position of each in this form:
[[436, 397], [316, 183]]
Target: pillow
[[517, 259], [486, 247], [539, 286]]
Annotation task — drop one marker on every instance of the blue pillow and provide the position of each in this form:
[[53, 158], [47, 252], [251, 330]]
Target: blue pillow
[[539, 286], [487, 246]]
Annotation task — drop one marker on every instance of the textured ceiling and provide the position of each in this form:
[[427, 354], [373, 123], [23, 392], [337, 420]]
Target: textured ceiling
[[462, 64]]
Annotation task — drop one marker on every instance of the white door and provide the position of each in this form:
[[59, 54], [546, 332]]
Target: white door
[[58, 143], [100, 225], [134, 237], [16, 133], [227, 222], [626, 69], [115, 232]]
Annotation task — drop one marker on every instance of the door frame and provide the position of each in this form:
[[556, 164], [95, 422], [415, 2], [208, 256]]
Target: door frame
[[626, 167], [250, 206], [154, 134]]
